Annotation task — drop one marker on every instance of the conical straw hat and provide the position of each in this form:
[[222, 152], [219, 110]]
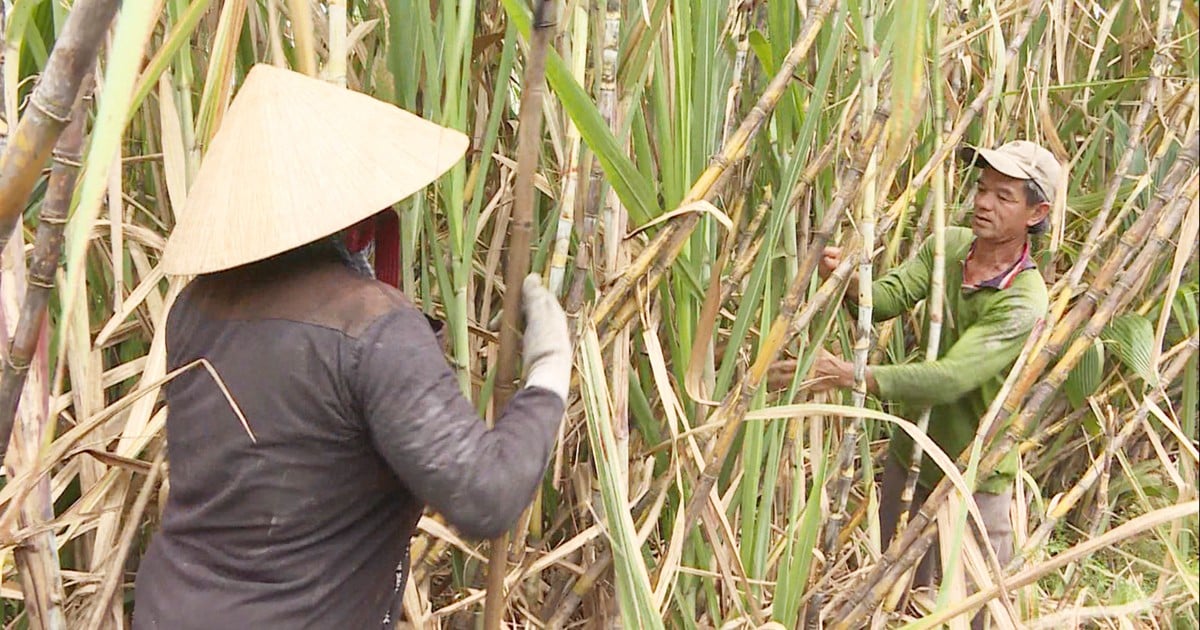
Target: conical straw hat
[[297, 159]]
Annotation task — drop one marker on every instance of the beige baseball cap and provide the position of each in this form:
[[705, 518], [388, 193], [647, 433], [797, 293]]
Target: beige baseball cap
[[1021, 159]]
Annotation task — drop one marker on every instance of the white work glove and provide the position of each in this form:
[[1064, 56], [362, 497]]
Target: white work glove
[[547, 351]]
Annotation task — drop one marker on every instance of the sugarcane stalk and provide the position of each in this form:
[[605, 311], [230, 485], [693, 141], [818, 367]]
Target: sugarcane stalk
[[558, 260], [3, 92], [49, 109], [300, 16], [1095, 470], [273, 33], [907, 548], [47, 250], [741, 37], [862, 344], [615, 309], [937, 291], [615, 221], [585, 255], [790, 319], [335, 66], [570, 186], [37, 559], [936, 312], [517, 266]]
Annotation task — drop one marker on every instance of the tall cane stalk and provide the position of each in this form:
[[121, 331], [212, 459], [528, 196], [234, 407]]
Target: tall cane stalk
[[335, 66], [37, 558], [49, 109], [517, 266], [862, 343], [937, 289], [865, 328], [616, 220], [300, 15], [574, 154]]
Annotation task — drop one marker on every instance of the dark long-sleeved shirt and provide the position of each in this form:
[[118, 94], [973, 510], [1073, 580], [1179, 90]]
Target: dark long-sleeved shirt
[[357, 422], [983, 330]]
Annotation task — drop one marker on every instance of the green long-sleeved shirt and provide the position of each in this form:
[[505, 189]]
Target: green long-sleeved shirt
[[983, 331]]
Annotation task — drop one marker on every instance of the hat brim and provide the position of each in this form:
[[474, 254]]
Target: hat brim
[[295, 160], [1000, 162]]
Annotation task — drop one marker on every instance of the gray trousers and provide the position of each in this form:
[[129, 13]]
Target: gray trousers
[[993, 507]]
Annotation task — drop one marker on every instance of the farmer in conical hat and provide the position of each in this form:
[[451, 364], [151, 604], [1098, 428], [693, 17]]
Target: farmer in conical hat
[[301, 462], [994, 296]]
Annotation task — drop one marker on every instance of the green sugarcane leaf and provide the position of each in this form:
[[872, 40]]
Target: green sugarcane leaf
[[634, 593], [1185, 310], [1131, 337], [909, 26], [762, 50], [635, 191], [1085, 377]]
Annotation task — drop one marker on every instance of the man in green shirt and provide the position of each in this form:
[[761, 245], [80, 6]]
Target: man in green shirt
[[994, 297]]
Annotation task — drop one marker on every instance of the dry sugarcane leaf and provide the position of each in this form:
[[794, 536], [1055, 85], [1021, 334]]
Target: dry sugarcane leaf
[[112, 459], [174, 152]]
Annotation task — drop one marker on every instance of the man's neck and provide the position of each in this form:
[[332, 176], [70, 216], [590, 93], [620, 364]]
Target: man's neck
[[997, 255]]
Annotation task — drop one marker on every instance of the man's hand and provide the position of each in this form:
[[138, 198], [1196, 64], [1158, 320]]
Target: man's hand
[[830, 372], [831, 257]]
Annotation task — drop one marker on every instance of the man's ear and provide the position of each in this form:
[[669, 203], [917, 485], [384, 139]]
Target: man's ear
[[1040, 212]]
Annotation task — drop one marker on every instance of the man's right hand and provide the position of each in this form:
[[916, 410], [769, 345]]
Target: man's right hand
[[831, 257]]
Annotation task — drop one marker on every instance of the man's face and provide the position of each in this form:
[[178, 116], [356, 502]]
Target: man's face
[[1002, 211]]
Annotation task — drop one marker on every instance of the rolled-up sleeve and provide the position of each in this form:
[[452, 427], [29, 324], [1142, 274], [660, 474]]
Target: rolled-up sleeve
[[479, 479]]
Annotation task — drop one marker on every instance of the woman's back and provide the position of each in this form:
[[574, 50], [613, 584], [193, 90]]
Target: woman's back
[[297, 520]]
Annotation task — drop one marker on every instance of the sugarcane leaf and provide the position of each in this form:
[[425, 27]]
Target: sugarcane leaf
[[179, 37], [762, 50], [1185, 308], [635, 54], [134, 26], [909, 26], [635, 191], [1085, 377], [1131, 337], [633, 588]]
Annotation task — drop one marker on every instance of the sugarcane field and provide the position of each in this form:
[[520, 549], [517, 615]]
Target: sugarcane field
[[696, 314]]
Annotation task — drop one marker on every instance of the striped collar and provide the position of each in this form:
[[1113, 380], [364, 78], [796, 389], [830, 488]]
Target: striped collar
[[1004, 279]]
